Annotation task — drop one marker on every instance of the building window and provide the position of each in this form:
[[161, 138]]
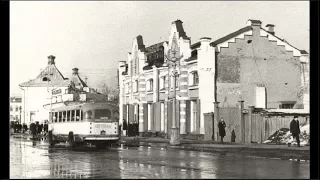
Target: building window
[[193, 78], [11, 109], [286, 106], [17, 108], [45, 79], [126, 87], [193, 116], [150, 85], [135, 86], [162, 82]]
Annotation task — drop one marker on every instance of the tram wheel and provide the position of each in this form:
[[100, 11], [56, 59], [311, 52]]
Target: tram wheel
[[71, 139], [51, 141]]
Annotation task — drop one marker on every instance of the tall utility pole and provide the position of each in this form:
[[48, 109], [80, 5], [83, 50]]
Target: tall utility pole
[[24, 105], [173, 58]]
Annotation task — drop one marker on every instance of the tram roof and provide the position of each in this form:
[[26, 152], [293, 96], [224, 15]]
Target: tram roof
[[88, 106]]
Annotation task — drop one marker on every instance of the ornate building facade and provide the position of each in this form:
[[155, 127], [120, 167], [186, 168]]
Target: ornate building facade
[[251, 64]]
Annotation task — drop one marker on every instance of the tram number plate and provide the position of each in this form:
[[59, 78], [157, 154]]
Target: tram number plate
[[103, 126]]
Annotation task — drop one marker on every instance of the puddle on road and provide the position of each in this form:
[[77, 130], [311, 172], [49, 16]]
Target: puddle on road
[[38, 161]]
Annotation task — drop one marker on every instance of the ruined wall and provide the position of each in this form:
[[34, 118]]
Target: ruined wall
[[245, 64]]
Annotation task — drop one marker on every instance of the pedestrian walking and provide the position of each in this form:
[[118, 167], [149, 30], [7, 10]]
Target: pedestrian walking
[[135, 128], [33, 129], [221, 127], [124, 125], [233, 136], [45, 127], [295, 129]]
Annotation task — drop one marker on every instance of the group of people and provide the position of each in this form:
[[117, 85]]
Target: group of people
[[294, 130], [36, 129], [17, 127], [132, 129]]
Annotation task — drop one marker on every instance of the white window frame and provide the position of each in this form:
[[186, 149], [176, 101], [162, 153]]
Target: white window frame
[[135, 86], [162, 114], [149, 116], [126, 88], [162, 82], [150, 85], [193, 115], [192, 78]]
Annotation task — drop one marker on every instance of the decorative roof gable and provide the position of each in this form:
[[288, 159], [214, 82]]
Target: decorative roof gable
[[50, 76]]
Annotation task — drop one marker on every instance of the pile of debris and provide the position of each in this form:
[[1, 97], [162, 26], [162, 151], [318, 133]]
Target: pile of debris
[[283, 136]]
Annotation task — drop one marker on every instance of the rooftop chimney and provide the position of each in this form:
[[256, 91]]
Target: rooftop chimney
[[51, 60], [75, 71], [270, 28], [252, 22]]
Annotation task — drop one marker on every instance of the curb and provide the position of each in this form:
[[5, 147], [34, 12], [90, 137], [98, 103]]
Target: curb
[[303, 155]]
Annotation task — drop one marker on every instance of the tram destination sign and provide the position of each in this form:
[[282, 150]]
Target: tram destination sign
[[58, 91]]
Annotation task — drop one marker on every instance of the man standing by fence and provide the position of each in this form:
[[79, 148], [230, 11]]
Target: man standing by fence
[[295, 129]]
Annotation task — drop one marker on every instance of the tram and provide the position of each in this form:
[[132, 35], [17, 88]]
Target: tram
[[93, 123]]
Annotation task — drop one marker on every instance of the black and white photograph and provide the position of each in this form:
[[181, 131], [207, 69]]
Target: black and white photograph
[[159, 90]]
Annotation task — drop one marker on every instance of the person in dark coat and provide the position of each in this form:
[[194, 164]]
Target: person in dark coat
[[295, 129], [222, 131], [33, 129], [124, 125], [45, 127]]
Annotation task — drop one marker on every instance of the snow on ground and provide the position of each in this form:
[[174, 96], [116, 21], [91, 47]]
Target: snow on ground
[[283, 136]]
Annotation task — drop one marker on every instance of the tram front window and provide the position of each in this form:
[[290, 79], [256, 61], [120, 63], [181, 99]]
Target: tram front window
[[88, 114], [77, 115], [68, 115], [55, 116], [64, 116], [102, 114]]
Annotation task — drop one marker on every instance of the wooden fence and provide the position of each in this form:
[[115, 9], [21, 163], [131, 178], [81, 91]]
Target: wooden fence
[[253, 126]]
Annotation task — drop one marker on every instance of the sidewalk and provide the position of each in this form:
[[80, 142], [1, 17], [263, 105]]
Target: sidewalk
[[252, 149]]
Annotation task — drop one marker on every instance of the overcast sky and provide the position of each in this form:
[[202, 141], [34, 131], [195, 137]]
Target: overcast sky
[[94, 36]]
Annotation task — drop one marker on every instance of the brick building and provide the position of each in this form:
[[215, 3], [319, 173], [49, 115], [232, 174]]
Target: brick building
[[251, 64]]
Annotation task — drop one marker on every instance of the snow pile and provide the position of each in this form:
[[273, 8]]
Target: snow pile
[[283, 136]]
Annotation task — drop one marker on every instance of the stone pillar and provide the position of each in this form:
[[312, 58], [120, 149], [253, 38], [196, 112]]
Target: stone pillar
[[249, 124], [184, 95], [215, 121], [155, 84], [242, 123]]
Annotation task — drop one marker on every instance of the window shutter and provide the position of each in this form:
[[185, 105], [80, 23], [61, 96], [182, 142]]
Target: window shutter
[[124, 113], [145, 116], [188, 118], [198, 117], [152, 116], [131, 113], [157, 118], [177, 114], [190, 79]]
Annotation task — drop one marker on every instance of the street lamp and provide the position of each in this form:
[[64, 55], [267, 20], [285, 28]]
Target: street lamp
[[174, 58]]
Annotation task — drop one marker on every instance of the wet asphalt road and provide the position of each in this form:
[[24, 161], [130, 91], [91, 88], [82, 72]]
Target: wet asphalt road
[[36, 160]]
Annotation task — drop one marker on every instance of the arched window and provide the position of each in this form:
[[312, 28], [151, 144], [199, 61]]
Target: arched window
[[45, 79], [162, 82], [150, 85], [136, 86], [193, 78]]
